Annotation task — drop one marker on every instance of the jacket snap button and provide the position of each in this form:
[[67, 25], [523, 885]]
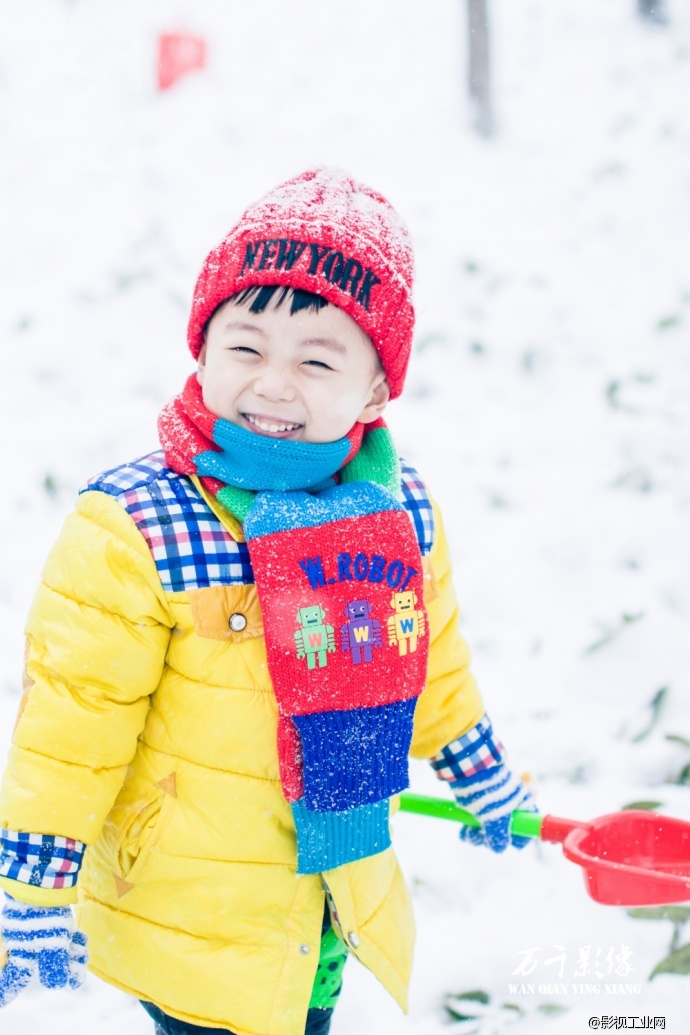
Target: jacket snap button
[[353, 938], [237, 622], [304, 949]]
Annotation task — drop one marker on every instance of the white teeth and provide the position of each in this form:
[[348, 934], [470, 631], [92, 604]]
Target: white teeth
[[263, 425]]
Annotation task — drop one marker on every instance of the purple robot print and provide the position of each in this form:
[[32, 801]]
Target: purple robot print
[[361, 633]]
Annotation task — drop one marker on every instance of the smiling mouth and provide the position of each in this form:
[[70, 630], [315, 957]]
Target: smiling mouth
[[270, 426]]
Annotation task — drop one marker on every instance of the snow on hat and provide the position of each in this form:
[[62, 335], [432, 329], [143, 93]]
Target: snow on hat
[[326, 233]]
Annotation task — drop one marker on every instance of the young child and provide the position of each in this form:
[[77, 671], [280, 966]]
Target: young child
[[237, 642]]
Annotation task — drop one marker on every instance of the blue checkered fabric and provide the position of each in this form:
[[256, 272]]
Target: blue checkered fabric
[[416, 501], [43, 860], [189, 544], [129, 476], [187, 541], [470, 754]]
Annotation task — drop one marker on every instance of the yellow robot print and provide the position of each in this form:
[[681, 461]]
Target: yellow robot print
[[407, 625]]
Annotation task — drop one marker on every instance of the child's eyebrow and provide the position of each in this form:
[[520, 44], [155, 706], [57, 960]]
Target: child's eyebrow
[[238, 325], [328, 343]]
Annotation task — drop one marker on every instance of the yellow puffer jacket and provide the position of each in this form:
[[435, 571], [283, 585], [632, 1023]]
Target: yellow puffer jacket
[[147, 730]]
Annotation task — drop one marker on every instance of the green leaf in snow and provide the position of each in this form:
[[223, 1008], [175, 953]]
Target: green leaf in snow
[[677, 962]]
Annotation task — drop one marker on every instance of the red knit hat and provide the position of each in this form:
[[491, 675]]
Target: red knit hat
[[323, 232]]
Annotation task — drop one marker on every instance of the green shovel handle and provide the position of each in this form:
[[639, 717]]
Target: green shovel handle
[[524, 824]]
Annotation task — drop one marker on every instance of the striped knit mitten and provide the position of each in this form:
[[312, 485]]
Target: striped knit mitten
[[39, 941], [474, 766]]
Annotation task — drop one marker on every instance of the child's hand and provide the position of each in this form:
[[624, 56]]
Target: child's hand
[[492, 797], [474, 766], [39, 941]]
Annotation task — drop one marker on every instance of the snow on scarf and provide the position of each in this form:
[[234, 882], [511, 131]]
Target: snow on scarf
[[338, 572]]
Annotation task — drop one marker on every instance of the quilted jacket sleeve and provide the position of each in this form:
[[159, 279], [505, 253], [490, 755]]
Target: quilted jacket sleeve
[[451, 703], [97, 632]]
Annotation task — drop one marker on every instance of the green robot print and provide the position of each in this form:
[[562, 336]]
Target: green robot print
[[315, 639]]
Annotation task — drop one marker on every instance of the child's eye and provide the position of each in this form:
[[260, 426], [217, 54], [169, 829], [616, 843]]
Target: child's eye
[[317, 363], [244, 348]]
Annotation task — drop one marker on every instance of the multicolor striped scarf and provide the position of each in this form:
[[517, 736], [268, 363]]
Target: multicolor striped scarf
[[338, 573]]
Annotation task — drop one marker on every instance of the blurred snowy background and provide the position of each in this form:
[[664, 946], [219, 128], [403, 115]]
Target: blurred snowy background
[[547, 404]]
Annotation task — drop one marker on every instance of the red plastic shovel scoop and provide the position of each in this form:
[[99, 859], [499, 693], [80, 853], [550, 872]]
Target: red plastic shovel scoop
[[630, 858]]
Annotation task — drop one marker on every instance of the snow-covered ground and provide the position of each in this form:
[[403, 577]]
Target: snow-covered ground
[[547, 402]]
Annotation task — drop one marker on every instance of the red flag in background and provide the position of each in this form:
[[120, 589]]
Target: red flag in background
[[178, 54]]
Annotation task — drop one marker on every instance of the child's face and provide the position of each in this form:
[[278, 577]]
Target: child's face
[[307, 376]]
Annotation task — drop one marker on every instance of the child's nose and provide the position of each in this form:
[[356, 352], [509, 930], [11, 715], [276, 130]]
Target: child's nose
[[275, 384]]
